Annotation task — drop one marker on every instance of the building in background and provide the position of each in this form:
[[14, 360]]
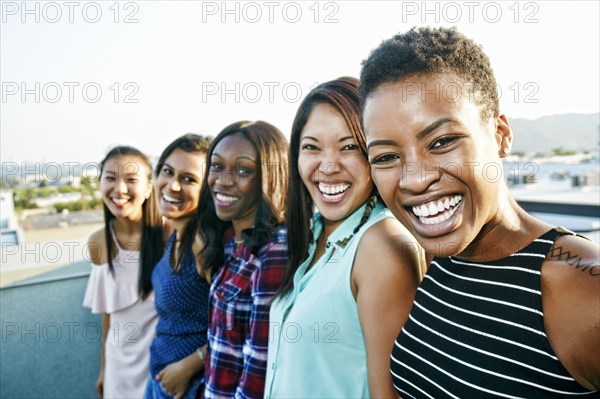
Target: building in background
[[11, 233]]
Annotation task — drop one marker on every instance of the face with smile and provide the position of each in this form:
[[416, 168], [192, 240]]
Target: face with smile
[[332, 167], [436, 162], [178, 184], [234, 181], [125, 185]]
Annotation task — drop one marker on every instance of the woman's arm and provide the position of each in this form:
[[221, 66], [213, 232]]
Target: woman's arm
[[97, 254], [100, 380], [265, 283], [571, 303], [175, 378], [385, 277]]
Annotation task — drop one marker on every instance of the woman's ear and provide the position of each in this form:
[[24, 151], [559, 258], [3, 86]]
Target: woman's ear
[[503, 135]]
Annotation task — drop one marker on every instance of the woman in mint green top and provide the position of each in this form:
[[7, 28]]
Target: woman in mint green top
[[354, 269]]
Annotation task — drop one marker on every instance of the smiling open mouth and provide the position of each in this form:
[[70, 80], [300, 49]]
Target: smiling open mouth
[[171, 200], [120, 201], [227, 199], [437, 211], [333, 191]]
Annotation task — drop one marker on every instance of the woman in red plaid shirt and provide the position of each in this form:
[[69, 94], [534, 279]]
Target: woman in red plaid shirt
[[241, 224]]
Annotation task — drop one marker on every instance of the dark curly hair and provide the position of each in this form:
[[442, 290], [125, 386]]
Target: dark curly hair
[[432, 50]]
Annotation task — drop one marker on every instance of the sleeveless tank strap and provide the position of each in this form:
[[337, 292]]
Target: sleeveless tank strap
[[542, 245], [561, 231], [114, 237]]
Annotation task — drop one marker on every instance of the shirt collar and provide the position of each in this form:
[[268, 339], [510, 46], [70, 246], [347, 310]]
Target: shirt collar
[[229, 235], [344, 230]]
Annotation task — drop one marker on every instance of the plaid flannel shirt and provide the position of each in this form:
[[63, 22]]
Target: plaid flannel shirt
[[238, 333]]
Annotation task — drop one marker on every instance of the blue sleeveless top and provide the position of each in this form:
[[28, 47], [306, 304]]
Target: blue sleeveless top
[[181, 300], [476, 330]]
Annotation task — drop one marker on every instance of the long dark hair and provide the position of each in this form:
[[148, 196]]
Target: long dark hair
[[189, 142], [271, 147], [152, 237], [342, 94]]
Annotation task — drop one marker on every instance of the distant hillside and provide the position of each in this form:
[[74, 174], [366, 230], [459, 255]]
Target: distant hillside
[[569, 131]]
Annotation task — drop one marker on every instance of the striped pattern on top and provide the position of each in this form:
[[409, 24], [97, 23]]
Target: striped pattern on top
[[476, 330]]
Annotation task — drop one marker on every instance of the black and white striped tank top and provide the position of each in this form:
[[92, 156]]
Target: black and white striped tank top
[[476, 330]]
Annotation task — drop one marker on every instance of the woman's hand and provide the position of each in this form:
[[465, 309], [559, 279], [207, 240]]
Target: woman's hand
[[100, 384], [175, 379]]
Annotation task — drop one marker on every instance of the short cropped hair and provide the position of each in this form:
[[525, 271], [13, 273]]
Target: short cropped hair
[[429, 51]]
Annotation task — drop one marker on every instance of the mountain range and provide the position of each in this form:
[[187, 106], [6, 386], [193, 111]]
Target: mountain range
[[566, 131]]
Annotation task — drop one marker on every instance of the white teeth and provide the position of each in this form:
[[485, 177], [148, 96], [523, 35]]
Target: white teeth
[[119, 201], [439, 219], [440, 206], [333, 197], [432, 209], [171, 199], [333, 190], [424, 211], [226, 198]]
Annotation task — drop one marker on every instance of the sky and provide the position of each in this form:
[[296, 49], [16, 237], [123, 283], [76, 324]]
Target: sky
[[79, 77]]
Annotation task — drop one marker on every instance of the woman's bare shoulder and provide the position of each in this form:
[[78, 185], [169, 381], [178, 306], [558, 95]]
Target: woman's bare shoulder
[[96, 247]]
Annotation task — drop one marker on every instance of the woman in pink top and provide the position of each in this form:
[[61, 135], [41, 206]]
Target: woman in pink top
[[123, 254]]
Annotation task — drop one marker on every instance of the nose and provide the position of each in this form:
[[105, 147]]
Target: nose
[[329, 168], [226, 177], [122, 186], [329, 164], [418, 175], [174, 185]]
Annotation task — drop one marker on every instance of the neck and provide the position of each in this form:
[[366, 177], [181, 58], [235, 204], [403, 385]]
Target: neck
[[509, 230], [179, 225], [330, 226], [127, 226], [238, 227], [242, 224]]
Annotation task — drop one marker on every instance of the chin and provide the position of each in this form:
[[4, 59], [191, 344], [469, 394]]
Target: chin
[[225, 217], [334, 216]]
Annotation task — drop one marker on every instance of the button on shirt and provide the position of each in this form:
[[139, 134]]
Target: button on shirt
[[316, 345], [240, 298]]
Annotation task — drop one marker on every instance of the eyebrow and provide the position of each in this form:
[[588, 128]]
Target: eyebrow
[[125, 172], [339, 141], [421, 135], [380, 142], [184, 173], [214, 154]]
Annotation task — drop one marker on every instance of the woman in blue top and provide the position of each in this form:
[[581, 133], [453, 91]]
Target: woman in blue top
[[180, 290], [354, 269]]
